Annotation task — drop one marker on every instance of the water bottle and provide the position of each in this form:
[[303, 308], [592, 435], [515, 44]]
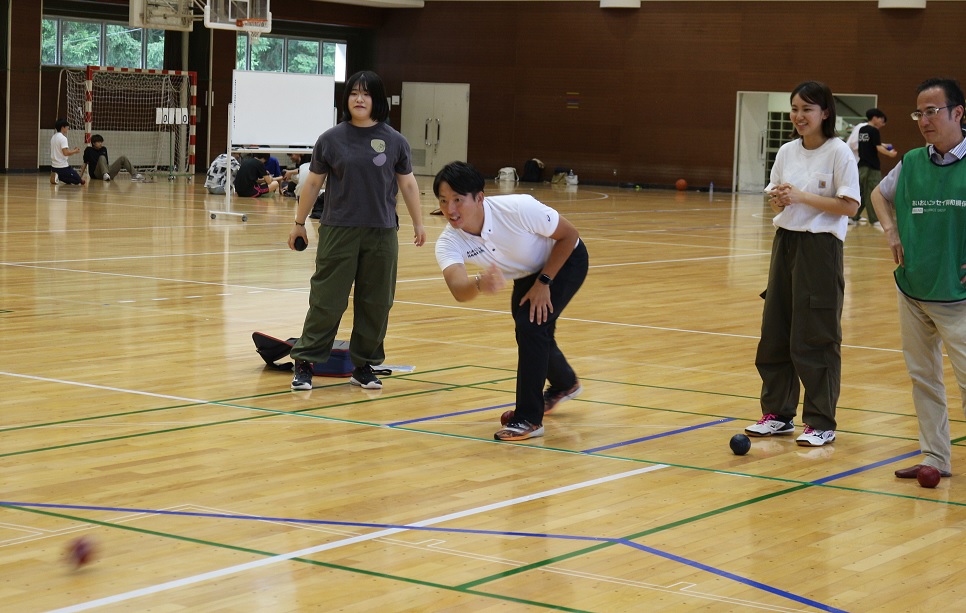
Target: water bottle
[[711, 191], [571, 173]]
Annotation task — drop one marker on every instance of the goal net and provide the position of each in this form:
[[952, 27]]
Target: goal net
[[147, 115]]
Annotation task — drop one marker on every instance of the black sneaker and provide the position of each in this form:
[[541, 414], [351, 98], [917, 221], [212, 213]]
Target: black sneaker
[[365, 377], [303, 375]]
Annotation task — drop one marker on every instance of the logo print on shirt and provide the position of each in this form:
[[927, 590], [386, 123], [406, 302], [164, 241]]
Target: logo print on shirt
[[379, 146], [822, 184]]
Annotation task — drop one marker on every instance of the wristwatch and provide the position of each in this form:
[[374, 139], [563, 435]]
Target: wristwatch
[[545, 279]]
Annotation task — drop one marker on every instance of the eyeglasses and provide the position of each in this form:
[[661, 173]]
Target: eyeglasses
[[930, 112]]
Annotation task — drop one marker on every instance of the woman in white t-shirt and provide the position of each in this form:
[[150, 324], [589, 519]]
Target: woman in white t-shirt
[[814, 189]]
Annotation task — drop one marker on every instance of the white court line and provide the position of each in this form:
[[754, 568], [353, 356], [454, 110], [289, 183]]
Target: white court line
[[177, 583]]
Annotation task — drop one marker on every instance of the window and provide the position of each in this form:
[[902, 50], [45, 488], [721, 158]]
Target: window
[[267, 54], [291, 54], [303, 56], [78, 42], [81, 43], [124, 48]]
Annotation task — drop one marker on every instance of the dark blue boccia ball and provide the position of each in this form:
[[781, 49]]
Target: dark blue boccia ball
[[740, 444]]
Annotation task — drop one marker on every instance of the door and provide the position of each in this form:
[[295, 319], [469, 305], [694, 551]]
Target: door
[[435, 121], [750, 141]]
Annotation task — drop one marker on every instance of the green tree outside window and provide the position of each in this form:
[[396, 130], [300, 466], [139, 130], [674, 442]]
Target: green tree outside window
[[48, 41], [267, 54], [123, 46], [303, 56], [155, 50]]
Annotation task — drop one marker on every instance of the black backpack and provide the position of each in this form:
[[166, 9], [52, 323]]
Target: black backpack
[[532, 172]]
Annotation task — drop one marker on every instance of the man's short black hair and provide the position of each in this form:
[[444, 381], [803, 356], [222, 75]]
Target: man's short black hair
[[61, 124], [96, 138], [874, 112], [951, 89], [461, 177]]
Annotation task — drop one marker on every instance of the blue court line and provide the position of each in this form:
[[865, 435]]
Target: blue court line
[[737, 578], [597, 539], [432, 417], [295, 520], [663, 434], [862, 469]]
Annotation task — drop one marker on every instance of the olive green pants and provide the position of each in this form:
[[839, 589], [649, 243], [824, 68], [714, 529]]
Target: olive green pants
[[345, 256]]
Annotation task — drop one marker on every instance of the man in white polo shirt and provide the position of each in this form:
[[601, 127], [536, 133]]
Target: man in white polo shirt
[[519, 238]]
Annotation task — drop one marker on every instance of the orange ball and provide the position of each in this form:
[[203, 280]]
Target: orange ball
[[681, 184]]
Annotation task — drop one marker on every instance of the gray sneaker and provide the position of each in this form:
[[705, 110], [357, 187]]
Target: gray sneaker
[[770, 424], [815, 438]]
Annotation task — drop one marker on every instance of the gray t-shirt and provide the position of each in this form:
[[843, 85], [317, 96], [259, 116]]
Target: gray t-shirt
[[361, 164]]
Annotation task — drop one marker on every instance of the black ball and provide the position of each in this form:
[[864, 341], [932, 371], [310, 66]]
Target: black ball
[[740, 444], [300, 243]]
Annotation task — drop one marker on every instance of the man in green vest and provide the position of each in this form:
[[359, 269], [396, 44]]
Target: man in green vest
[[921, 205]]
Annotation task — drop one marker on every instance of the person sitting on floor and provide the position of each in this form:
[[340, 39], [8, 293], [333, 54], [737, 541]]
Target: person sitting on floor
[[99, 166], [252, 179]]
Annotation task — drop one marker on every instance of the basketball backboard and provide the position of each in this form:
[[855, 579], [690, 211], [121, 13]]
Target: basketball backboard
[[161, 14], [244, 15]]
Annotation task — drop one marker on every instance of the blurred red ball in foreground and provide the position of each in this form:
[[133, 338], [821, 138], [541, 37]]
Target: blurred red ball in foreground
[[80, 551], [681, 184], [928, 476], [506, 418]]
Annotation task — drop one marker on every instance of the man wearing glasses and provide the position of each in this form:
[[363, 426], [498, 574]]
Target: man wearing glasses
[[922, 207]]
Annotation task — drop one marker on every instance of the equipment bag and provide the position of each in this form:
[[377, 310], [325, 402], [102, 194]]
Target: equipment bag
[[274, 349], [508, 173], [532, 171]]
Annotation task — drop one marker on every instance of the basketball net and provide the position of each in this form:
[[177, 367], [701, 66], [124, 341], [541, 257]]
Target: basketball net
[[253, 27]]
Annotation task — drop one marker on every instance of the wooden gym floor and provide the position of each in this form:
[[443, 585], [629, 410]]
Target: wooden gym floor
[[136, 412]]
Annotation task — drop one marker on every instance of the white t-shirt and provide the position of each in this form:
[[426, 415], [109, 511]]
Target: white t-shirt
[[58, 143], [297, 178], [515, 237], [829, 171], [853, 141]]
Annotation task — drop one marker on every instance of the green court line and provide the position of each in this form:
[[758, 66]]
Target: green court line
[[306, 413], [636, 535], [269, 554]]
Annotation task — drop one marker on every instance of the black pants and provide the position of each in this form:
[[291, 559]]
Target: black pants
[[538, 357], [801, 331]]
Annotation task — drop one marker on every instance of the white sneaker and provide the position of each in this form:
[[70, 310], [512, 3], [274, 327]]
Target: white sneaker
[[815, 438], [106, 177], [852, 222], [770, 424], [878, 226], [137, 177]]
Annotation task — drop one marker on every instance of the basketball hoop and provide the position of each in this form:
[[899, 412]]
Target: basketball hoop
[[253, 26]]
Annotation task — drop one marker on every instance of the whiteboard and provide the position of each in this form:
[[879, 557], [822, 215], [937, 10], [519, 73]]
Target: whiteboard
[[278, 109]]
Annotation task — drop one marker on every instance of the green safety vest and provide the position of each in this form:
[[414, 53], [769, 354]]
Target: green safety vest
[[931, 216]]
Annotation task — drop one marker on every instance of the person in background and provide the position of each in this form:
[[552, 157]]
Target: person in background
[[252, 179], [99, 166], [61, 171], [870, 170]]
